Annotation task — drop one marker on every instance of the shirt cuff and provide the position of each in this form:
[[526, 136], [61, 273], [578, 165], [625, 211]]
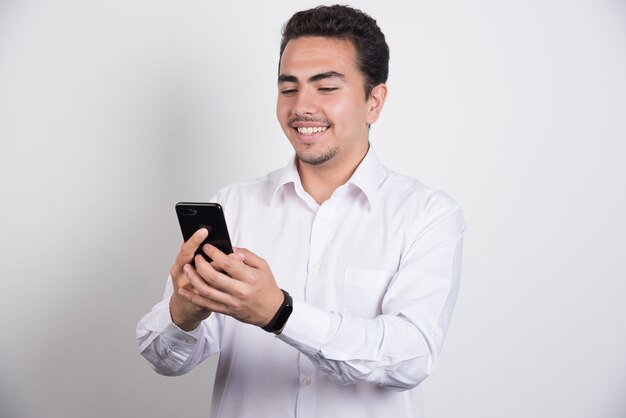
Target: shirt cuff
[[309, 327], [175, 336]]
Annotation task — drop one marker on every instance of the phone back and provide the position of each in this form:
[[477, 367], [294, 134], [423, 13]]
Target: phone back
[[193, 216]]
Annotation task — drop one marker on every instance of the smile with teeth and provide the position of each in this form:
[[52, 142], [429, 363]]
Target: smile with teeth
[[311, 130]]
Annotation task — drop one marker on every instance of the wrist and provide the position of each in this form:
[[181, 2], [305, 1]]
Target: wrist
[[178, 316], [278, 321]]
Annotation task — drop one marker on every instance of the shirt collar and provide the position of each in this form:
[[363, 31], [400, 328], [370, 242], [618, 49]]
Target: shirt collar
[[367, 177], [286, 175]]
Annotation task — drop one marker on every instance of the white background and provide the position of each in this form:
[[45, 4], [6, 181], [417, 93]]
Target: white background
[[112, 111]]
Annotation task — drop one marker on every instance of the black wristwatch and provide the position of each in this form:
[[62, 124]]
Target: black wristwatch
[[278, 321]]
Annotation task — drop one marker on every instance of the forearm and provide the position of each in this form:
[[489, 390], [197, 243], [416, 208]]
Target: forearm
[[386, 351], [170, 350], [399, 363]]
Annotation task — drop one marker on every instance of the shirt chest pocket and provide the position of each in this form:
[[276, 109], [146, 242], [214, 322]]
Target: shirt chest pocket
[[363, 292]]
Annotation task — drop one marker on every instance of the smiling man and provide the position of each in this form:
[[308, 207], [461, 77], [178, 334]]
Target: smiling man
[[347, 310], [325, 108]]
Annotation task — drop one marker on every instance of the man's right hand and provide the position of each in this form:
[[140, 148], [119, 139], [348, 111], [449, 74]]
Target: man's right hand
[[186, 315]]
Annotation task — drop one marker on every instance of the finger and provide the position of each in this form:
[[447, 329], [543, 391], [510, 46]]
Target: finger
[[237, 256], [188, 249], [204, 286], [201, 302], [186, 284], [251, 259], [231, 265], [219, 280]]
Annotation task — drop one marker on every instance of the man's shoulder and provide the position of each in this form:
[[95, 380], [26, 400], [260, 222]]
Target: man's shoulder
[[419, 207], [258, 188], [412, 192]]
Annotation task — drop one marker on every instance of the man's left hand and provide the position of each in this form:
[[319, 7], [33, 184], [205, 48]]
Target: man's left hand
[[244, 289]]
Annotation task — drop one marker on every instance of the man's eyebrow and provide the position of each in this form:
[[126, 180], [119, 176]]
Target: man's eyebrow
[[288, 78], [327, 74]]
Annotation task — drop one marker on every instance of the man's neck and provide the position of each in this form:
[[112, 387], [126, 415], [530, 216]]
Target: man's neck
[[321, 181]]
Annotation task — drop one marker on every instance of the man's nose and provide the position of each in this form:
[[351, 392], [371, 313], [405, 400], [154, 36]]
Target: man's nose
[[306, 102]]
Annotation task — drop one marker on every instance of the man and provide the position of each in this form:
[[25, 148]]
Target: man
[[368, 260]]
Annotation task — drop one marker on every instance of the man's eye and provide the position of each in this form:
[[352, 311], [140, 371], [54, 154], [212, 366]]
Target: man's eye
[[288, 92], [326, 89]]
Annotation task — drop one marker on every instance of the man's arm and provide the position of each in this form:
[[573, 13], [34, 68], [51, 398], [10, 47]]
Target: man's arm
[[399, 348], [174, 337]]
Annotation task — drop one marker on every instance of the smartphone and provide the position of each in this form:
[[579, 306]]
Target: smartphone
[[193, 216]]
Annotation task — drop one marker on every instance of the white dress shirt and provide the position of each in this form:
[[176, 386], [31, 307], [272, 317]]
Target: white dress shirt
[[374, 274]]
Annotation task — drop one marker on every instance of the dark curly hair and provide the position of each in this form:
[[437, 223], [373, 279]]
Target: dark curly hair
[[344, 22]]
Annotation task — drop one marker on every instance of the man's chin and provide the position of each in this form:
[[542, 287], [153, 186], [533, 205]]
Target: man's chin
[[318, 158]]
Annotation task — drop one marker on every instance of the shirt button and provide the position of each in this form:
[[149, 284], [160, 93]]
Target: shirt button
[[190, 340], [306, 381], [316, 266]]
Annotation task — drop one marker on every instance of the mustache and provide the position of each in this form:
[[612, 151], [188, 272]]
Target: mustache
[[295, 119]]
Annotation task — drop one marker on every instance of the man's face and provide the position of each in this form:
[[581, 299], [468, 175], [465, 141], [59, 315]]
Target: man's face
[[321, 103]]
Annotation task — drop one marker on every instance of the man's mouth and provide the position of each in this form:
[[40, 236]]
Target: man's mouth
[[307, 126], [310, 130]]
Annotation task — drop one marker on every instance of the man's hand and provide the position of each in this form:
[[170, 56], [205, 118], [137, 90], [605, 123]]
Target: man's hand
[[240, 285], [185, 315]]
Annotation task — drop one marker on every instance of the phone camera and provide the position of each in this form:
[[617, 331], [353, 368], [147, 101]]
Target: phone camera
[[188, 212]]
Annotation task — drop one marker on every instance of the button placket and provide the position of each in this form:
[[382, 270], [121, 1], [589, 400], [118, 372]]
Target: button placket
[[319, 236], [318, 243], [305, 406]]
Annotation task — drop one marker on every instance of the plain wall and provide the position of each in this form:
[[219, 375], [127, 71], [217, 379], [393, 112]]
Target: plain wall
[[111, 111]]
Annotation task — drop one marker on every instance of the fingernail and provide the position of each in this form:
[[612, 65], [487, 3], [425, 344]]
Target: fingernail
[[204, 232], [186, 268]]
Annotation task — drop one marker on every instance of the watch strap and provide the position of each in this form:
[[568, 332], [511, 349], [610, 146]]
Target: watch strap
[[278, 321]]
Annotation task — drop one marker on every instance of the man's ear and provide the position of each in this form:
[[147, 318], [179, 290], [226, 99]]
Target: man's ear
[[376, 102]]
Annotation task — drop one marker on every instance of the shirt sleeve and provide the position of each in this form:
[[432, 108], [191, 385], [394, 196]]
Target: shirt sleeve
[[399, 348], [170, 350]]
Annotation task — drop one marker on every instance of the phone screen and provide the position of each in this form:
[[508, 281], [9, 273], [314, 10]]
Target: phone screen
[[193, 216]]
